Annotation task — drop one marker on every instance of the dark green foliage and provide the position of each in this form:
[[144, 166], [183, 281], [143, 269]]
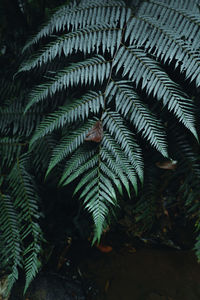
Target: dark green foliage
[[21, 233], [107, 86]]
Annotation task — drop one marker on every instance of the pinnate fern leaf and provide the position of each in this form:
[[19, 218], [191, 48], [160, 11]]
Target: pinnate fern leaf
[[11, 248], [131, 107], [127, 66], [79, 160], [186, 23], [69, 144], [10, 149], [26, 199], [156, 81], [114, 124], [86, 72], [79, 109], [86, 40], [85, 14], [171, 45]]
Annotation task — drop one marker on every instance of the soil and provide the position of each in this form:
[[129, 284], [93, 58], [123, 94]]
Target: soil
[[145, 274], [125, 272]]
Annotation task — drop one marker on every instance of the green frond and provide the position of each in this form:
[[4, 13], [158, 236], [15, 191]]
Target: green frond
[[98, 178], [185, 152], [79, 109], [165, 43], [100, 196], [10, 149], [85, 72], [115, 125], [76, 161], [139, 67], [123, 162], [41, 152], [197, 244], [188, 163], [185, 23], [98, 192], [13, 120], [145, 207], [133, 109], [21, 183], [96, 59], [87, 165], [31, 260], [183, 4], [69, 143], [85, 14], [10, 239], [117, 169], [86, 40]]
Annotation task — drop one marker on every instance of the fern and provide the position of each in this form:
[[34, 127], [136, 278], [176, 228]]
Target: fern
[[69, 144], [177, 48], [132, 108], [136, 64], [11, 247], [123, 55], [110, 81], [115, 125], [25, 195], [186, 22], [84, 72], [13, 121], [86, 14], [80, 109], [10, 149]]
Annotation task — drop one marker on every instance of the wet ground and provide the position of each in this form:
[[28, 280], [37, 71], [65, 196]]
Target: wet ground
[[125, 273], [147, 274]]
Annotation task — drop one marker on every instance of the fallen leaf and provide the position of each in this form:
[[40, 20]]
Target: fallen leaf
[[167, 164], [96, 133], [104, 248]]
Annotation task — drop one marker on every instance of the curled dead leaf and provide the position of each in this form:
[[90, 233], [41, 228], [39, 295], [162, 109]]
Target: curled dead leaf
[[96, 133], [167, 164]]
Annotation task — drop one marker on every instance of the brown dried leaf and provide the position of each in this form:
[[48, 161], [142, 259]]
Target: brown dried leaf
[[167, 164], [96, 133]]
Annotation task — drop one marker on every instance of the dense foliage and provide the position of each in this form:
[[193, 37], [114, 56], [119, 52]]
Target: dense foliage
[[105, 90]]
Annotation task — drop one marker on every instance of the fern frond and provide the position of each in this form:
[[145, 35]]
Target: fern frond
[[99, 179], [185, 23], [10, 237], [86, 72], [124, 56], [121, 160], [82, 15], [76, 161], [98, 198], [145, 207], [197, 244], [87, 165], [99, 192], [118, 171], [24, 192], [86, 40], [116, 127], [31, 260], [69, 144], [79, 109], [13, 120], [165, 43], [41, 152], [156, 81], [10, 149], [183, 4], [133, 109]]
